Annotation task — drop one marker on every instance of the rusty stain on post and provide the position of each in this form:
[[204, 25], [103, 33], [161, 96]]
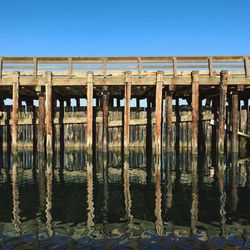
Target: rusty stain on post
[[195, 110], [235, 121], [222, 110], [89, 111], [15, 109], [127, 94], [158, 111], [49, 130]]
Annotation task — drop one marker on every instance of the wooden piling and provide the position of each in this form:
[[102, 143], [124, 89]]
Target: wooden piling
[[222, 110], [41, 123], [169, 122], [15, 109], [89, 111], [49, 130], [158, 111], [105, 109], [195, 110], [127, 94], [235, 121]]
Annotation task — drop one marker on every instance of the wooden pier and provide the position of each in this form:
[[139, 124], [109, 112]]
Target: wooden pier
[[217, 87]]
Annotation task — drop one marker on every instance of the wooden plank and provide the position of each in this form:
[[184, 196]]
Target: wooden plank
[[15, 109], [222, 110], [49, 129], [158, 112], [127, 95], [195, 111], [90, 111]]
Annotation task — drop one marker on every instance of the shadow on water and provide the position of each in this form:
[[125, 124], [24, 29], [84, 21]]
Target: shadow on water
[[136, 201]]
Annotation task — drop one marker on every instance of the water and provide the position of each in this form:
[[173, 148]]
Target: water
[[124, 202]]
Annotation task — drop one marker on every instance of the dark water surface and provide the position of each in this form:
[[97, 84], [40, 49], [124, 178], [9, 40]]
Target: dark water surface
[[124, 202]]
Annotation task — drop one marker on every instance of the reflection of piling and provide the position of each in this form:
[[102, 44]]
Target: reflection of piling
[[90, 202], [222, 194], [127, 196], [158, 196], [15, 193], [233, 182], [195, 202], [49, 177]]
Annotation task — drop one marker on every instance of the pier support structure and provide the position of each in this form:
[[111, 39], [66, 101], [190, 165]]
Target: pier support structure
[[15, 109], [169, 121], [235, 121], [105, 110], [89, 112], [222, 110], [195, 110], [49, 128], [41, 122], [158, 112], [127, 94]]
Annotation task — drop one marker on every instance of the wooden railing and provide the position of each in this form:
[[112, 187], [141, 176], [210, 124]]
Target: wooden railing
[[138, 65]]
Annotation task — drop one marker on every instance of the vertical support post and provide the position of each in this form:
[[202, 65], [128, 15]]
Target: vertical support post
[[195, 110], [222, 111], [41, 123], [105, 110], [89, 111], [15, 108], [158, 111], [138, 103], [235, 121], [128, 81], [49, 130], [169, 121]]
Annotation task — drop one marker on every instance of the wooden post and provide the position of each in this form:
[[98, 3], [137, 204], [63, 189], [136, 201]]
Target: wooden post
[[169, 122], [15, 108], [89, 111], [41, 123], [222, 111], [195, 110], [235, 121], [105, 110], [128, 80], [49, 130], [158, 111]]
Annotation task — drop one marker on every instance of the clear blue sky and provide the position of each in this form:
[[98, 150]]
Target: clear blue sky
[[129, 27]]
